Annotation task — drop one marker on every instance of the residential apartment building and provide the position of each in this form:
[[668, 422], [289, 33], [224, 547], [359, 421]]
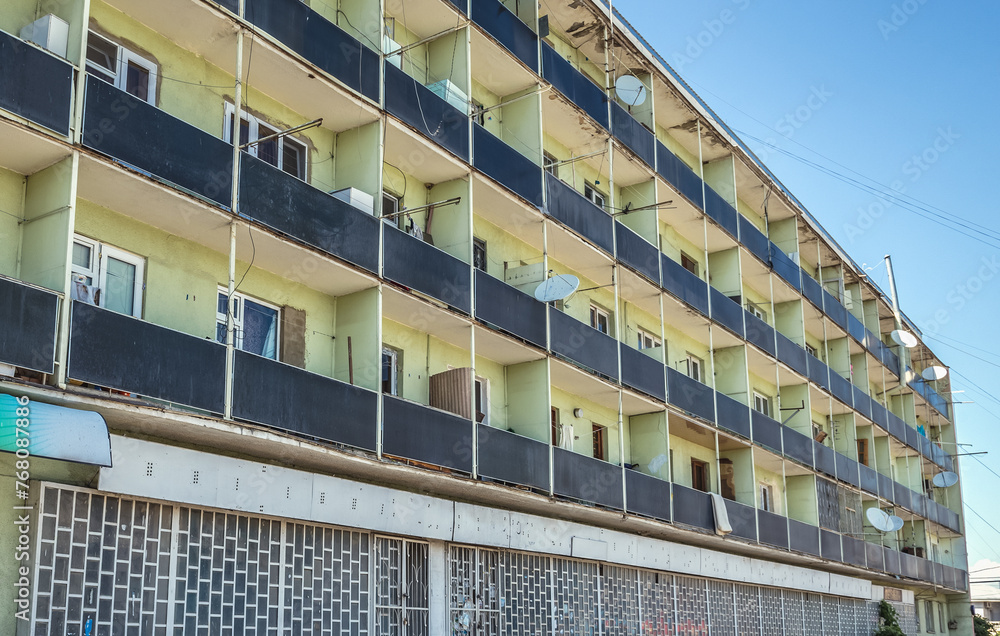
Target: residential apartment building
[[306, 388]]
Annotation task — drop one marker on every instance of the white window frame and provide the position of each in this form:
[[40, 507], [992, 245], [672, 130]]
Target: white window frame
[[596, 313], [482, 384], [394, 354], [220, 318], [648, 340], [811, 350], [253, 134], [125, 56], [767, 502], [695, 367], [595, 196], [759, 399], [98, 270], [550, 163], [754, 309], [480, 243], [697, 265]]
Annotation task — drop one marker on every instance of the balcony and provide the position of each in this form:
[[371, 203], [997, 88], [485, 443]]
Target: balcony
[[773, 529], [841, 388], [833, 309], [733, 416], [583, 344], [759, 333], [797, 446], [29, 316], [869, 479], [647, 495], [587, 479], [785, 267], [754, 240], [295, 208], [320, 41], [726, 312], [792, 355], [637, 253], [643, 373], [168, 149], [413, 263], [683, 284], [819, 373], [854, 551], [515, 36], [693, 507], [766, 431], [282, 396], [829, 543], [826, 459], [862, 403], [677, 174], [496, 448], [690, 395], [856, 328], [576, 86], [633, 135], [510, 309], [720, 210], [812, 290], [743, 520], [120, 352], [803, 537], [507, 166], [574, 210], [418, 106], [847, 470], [35, 84], [426, 435]]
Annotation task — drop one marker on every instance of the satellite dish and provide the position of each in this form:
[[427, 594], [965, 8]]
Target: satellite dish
[[630, 90], [934, 373], [945, 479], [896, 522], [904, 338], [879, 519], [557, 288]]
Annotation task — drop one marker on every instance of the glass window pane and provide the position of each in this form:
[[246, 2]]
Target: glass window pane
[[81, 255], [267, 150], [137, 81], [260, 329], [102, 53], [220, 332], [119, 289], [221, 308], [291, 160]]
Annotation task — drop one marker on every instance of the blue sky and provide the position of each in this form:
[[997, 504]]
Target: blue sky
[[902, 94]]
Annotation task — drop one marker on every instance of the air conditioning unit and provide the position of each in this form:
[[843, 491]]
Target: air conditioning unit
[[446, 90], [356, 198], [390, 46], [51, 33]]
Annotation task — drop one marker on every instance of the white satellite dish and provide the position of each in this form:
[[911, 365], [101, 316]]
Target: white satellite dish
[[945, 479], [904, 338], [630, 90], [556, 288], [879, 519], [896, 522], [934, 373]]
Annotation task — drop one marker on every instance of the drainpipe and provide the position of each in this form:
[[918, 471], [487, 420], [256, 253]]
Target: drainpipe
[[234, 203]]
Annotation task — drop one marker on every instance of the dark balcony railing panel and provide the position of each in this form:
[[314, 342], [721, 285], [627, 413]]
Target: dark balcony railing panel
[[798, 446], [690, 395], [647, 495], [637, 252], [897, 427], [678, 174], [885, 487], [754, 240], [925, 447], [423, 267], [510, 168], [693, 507], [461, 5], [835, 310], [634, 135], [35, 84], [643, 373], [869, 479], [880, 415], [576, 86], [743, 520], [855, 328], [925, 570], [909, 564], [231, 5], [583, 344], [785, 267], [419, 107], [811, 289], [586, 479], [939, 573], [918, 503], [683, 284], [721, 211], [902, 495], [872, 343], [803, 537], [854, 551], [134, 132], [912, 438], [510, 309], [891, 560], [504, 25], [574, 210], [497, 450], [293, 207], [766, 432], [841, 388], [732, 415], [830, 545], [818, 371], [320, 41], [862, 403], [847, 470], [826, 459], [890, 360], [121, 352], [427, 435], [274, 394], [874, 556], [792, 354], [931, 511], [29, 316], [759, 333], [726, 312], [773, 529]]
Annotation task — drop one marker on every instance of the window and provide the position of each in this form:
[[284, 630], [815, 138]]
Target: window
[[762, 403], [483, 401], [255, 324], [390, 208], [555, 426], [756, 311], [699, 475], [595, 197], [941, 617], [929, 615], [121, 67], [819, 432], [550, 164], [391, 364], [282, 152], [107, 277], [600, 319], [600, 442], [767, 497], [478, 113], [689, 264], [694, 366], [811, 350], [863, 451], [648, 340], [479, 254]]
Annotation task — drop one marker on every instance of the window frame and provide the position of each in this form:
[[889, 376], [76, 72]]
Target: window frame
[[97, 271], [695, 363], [396, 356], [648, 340], [481, 394], [700, 466], [240, 316], [253, 134], [550, 163], [694, 264], [594, 195], [599, 434], [767, 503], [596, 314], [764, 400], [124, 57], [480, 244], [756, 310]]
